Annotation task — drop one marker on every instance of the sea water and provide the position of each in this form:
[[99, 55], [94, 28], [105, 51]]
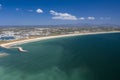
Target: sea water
[[88, 57]]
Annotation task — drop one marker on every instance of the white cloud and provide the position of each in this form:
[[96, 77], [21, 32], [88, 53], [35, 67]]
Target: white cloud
[[81, 18], [39, 11], [91, 18], [62, 16]]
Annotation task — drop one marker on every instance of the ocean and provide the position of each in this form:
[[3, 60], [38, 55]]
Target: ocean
[[86, 57]]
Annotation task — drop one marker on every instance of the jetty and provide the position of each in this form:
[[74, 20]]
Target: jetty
[[20, 49]]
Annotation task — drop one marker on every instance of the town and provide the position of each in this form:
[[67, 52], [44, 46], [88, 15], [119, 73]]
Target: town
[[10, 33]]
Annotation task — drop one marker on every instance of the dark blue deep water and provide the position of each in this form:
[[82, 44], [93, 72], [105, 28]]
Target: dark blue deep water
[[90, 57]]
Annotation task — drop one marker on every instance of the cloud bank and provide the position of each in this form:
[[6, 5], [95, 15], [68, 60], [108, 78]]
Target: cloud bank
[[62, 16]]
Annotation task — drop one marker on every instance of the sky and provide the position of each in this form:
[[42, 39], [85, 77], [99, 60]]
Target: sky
[[48, 12]]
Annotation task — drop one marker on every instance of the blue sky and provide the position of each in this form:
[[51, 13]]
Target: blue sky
[[44, 12]]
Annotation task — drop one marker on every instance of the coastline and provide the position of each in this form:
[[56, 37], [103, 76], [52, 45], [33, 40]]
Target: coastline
[[8, 45]]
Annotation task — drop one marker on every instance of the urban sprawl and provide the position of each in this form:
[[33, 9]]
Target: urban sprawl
[[17, 33]]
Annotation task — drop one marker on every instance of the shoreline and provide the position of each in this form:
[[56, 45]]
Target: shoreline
[[9, 44]]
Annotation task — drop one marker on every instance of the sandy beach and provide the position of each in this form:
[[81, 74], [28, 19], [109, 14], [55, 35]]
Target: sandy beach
[[8, 45]]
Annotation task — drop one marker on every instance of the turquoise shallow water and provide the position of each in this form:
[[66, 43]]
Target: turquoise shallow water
[[91, 57]]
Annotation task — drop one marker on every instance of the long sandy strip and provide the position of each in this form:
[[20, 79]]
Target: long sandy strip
[[8, 45]]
